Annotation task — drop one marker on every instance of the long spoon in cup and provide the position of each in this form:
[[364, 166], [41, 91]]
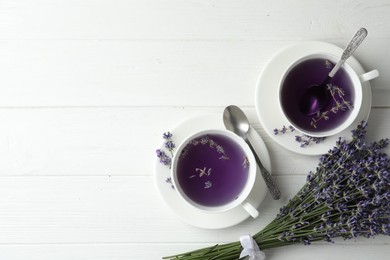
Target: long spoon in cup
[[316, 96]]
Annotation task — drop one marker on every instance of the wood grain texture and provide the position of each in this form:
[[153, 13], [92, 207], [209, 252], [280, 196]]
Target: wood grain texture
[[195, 19], [149, 73], [113, 209], [118, 141], [130, 53]]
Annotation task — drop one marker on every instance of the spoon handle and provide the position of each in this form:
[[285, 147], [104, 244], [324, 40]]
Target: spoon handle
[[357, 39], [269, 181]]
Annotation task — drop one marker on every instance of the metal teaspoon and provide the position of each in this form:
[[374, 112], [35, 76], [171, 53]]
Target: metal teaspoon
[[236, 121]]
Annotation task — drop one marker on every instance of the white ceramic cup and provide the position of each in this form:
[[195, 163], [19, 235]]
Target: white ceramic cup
[[241, 199], [356, 82]]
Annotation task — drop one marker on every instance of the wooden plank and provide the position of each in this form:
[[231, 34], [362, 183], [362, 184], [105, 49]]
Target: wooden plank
[[148, 73], [116, 209], [117, 141], [84, 141], [175, 19], [43, 209]]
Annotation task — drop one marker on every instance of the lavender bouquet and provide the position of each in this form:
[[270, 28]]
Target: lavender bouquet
[[348, 195]]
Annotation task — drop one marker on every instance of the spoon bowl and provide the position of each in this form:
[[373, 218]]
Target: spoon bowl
[[236, 121], [314, 98]]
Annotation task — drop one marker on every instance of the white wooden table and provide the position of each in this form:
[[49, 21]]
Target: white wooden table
[[87, 87]]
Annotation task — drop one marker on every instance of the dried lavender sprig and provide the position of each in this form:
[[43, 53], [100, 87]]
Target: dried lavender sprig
[[341, 104], [304, 140], [284, 130], [169, 143], [164, 158]]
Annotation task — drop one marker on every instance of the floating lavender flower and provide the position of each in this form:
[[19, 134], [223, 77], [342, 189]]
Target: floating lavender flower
[[341, 104], [348, 195], [205, 140], [208, 184]]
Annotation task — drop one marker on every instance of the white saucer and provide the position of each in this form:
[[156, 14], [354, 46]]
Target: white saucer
[[267, 96], [191, 215]]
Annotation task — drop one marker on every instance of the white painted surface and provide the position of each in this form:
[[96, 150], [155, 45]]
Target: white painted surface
[[87, 87]]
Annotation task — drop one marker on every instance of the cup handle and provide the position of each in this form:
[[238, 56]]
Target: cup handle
[[250, 209], [369, 75]]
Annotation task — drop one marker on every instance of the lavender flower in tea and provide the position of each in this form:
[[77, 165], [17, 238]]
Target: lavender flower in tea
[[340, 105]]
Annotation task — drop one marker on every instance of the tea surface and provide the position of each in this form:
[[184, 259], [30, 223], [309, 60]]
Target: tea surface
[[212, 170], [313, 72]]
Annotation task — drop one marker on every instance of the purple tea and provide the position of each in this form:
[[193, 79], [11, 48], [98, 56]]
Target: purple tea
[[313, 72], [212, 170]]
